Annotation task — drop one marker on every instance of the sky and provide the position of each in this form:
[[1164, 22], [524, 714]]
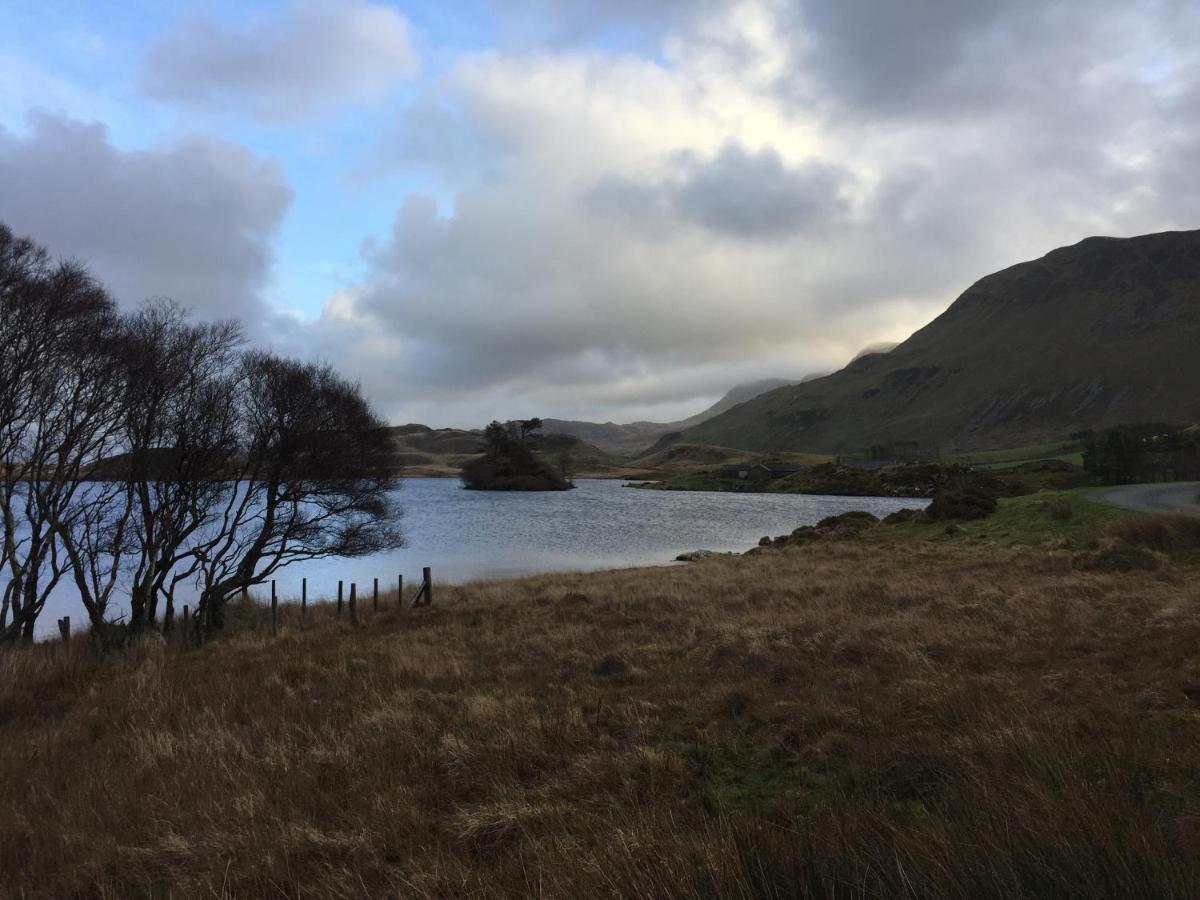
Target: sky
[[610, 211]]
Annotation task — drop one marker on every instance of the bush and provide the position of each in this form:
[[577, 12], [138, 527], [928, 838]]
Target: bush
[[855, 519], [901, 516], [1060, 509], [969, 501]]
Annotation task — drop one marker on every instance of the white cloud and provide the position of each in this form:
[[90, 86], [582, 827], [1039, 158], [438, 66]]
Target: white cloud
[[313, 55]]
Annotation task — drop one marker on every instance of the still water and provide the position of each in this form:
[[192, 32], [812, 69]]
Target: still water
[[602, 524]]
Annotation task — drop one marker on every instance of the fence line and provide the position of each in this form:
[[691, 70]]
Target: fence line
[[345, 602]]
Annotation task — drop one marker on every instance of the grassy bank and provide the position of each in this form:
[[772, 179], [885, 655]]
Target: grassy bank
[[1051, 516], [913, 480], [934, 718]]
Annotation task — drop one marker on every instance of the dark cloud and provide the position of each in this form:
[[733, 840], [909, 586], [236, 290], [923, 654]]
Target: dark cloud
[[737, 193], [307, 57], [888, 54], [967, 61], [193, 221], [756, 195]]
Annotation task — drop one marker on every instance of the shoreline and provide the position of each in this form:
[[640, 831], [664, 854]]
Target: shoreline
[[608, 475]]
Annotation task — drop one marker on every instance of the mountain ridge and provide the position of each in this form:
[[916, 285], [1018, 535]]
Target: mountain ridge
[[1098, 333], [636, 436]]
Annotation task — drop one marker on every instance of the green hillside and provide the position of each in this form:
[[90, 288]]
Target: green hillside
[[1092, 335]]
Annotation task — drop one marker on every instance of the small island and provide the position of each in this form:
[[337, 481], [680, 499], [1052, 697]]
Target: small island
[[510, 463]]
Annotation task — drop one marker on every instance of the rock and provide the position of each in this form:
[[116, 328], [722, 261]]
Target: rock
[[696, 555]]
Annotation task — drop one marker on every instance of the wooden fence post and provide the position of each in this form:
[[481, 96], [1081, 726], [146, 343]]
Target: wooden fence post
[[274, 610], [425, 595], [400, 591], [375, 596], [353, 604], [339, 598], [64, 628], [187, 625], [303, 597]]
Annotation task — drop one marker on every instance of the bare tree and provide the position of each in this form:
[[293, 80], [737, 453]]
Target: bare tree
[[180, 434], [56, 412], [314, 479], [146, 452]]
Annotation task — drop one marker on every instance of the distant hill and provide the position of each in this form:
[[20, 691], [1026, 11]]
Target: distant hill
[[637, 436], [445, 451], [1100, 333]]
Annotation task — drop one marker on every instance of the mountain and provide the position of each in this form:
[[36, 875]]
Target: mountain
[[636, 436], [739, 394], [1100, 333]]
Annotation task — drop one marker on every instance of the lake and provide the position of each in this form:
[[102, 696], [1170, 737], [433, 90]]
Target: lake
[[602, 524]]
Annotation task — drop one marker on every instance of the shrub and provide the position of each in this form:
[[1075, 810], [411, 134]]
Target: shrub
[[855, 518], [1060, 509], [901, 516], [967, 501]]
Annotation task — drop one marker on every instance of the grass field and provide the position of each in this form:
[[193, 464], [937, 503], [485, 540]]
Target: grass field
[[1010, 456], [1060, 516], [931, 717]]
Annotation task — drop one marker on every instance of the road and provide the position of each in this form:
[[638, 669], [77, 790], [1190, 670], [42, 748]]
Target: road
[[1176, 497]]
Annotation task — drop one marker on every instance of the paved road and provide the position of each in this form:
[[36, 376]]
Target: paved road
[[1176, 497]]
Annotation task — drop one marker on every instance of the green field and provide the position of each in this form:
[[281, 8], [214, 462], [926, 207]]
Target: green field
[[1066, 451], [1032, 519]]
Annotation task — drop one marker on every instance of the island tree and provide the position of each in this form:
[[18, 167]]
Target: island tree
[[509, 463]]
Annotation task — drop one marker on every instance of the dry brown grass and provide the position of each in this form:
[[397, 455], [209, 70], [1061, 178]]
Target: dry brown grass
[[1175, 534], [838, 720]]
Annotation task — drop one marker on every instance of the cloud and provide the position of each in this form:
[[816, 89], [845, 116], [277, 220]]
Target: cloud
[[738, 193], [193, 221], [654, 230], [311, 56], [903, 54], [527, 23], [432, 136], [956, 61]]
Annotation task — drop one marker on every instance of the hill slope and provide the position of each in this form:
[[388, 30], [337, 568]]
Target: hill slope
[[1096, 334], [635, 436]]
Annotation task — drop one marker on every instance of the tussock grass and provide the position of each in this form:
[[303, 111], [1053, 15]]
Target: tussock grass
[[836, 720], [1163, 533]]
